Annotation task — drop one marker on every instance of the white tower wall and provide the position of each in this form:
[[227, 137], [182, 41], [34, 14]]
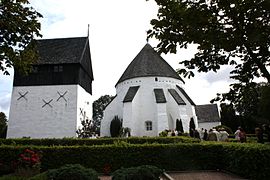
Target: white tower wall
[[47, 111]]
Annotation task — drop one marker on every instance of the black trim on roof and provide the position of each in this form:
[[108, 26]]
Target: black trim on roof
[[186, 95], [176, 97], [160, 97], [207, 113], [148, 63], [131, 93]]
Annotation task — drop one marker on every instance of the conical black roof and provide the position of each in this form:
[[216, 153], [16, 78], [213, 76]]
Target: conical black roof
[[148, 63]]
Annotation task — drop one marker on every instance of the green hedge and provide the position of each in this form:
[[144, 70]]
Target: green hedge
[[99, 141], [247, 160]]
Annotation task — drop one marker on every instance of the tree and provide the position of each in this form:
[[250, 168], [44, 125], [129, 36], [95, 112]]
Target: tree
[[87, 130], [191, 127], [98, 108], [3, 125], [91, 127], [115, 127], [228, 116], [18, 27], [228, 32], [179, 126], [251, 101]]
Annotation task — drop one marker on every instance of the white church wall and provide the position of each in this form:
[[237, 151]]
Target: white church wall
[[172, 111], [144, 107], [30, 116], [128, 117], [109, 113], [209, 125], [84, 106], [161, 117]]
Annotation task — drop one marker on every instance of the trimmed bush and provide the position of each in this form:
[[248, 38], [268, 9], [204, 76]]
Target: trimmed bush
[[137, 173], [72, 172], [99, 141], [246, 159], [115, 126]]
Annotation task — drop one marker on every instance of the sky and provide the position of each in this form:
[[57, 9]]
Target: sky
[[117, 33]]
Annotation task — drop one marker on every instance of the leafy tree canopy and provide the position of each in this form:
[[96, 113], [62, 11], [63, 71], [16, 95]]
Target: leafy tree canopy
[[18, 27], [99, 106], [251, 101], [228, 32], [92, 127]]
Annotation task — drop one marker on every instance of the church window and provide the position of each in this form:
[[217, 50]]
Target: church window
[[156, 79], [58, 68], [148, 125]]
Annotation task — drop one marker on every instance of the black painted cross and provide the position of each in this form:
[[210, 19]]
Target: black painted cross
[[22, 96], [47, 103], [61, 96]]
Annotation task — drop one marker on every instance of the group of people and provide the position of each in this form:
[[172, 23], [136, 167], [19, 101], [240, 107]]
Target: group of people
[[222, 135], [212, 135]]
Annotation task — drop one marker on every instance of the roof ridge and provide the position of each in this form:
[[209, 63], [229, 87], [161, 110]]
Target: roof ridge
[[61, 38]]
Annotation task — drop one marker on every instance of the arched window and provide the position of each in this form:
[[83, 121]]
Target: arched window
[[148, 125]]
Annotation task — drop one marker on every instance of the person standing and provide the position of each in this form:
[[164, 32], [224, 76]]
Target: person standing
[[242, 135], [259, 135], [205, 135], [237, 134]]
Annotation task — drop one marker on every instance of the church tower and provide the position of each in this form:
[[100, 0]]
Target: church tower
[[52, 100]]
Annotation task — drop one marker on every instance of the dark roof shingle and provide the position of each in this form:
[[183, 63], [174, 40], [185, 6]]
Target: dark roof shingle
[[61, 51], [65, 51], [176, 97], [160, 97], [186, 95], [148, 63], [207, 113], [131, 93]]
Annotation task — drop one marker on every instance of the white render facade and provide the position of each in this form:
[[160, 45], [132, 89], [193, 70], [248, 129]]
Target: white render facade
[[150, 98], [144, 107], [52, 111]]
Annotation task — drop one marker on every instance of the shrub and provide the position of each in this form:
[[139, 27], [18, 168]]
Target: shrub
[[137, 173], [115, 126], [72, 172], [163, 133], [99, 141]]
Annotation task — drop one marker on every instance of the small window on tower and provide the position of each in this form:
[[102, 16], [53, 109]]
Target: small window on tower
[[148, 125], [156, 79], [58, 68]]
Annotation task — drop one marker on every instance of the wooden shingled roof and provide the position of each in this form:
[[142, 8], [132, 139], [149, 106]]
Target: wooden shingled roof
[[65, 51], [148, 63], [207, 113]]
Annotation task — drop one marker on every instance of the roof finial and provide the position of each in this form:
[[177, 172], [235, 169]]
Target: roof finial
[[147, 39], [88, 30]]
